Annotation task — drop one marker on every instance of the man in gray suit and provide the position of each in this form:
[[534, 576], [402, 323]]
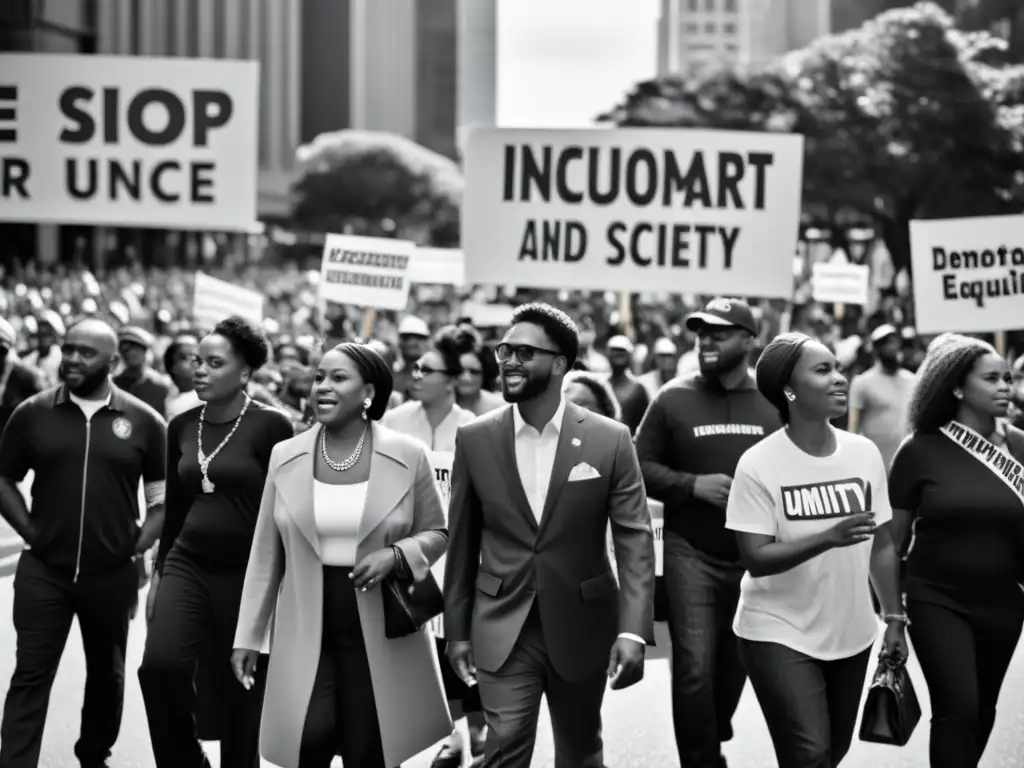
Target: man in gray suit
[[532, 606]]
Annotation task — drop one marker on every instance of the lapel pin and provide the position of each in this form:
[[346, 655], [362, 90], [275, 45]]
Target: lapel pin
[[576, 442]]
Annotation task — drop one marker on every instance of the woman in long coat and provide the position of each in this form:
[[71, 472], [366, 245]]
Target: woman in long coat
[[329, 532]]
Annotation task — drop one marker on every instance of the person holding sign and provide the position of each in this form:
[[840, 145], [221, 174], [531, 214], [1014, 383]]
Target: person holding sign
[[810, 509], [958, 484], [532, 607], [689, 442], [346, 505], [433, 418]]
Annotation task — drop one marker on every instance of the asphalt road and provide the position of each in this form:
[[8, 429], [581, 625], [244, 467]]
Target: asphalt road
[[637, 721]]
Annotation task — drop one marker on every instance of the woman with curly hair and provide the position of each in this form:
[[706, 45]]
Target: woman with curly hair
[[217, 459], [593, 393], [955, 489]]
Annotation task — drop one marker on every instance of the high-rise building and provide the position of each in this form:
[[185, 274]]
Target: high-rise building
[[692, 33]]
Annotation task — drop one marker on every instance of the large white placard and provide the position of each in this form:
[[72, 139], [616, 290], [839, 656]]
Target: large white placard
[[367, 271], [968, 274], [216, 299], [139, 141], [633, 210], [841, 283]]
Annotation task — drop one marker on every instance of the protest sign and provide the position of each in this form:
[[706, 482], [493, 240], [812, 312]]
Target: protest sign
[[657, 510], [369, 272], [441, 463], [215, 300], [968, 274], [488, 315], [438, 266], [633, 210], [841, 283], [144, 142]]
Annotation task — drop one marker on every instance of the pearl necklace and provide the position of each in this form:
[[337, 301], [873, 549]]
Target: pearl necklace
[[348, 463], [204, 460]]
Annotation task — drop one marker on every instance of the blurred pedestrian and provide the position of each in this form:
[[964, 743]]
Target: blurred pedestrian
[[475, 385], [631, 394], [46, 354], [89, 444], [592, 393], [413, 341], [666, 361], [531, 609], [955, 487], [180, 363], [330, 531], [810, 508], [689, 443], [217, 456], [18, 381], [135, 345], [879, 396]]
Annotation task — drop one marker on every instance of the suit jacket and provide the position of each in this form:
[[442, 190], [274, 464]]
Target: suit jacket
[[500, 560], [285, 574]]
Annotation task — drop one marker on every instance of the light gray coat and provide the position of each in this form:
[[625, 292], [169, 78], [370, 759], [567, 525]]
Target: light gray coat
[[285, 573]]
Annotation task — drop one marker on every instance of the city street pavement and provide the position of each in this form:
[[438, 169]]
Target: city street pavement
[[638, 729]]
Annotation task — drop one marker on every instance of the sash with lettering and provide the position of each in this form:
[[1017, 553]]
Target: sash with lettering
[[999, 462], [441, 462]]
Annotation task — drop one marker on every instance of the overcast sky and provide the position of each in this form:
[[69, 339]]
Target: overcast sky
[[563, 62]]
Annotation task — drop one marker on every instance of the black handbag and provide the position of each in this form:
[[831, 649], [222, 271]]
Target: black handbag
[[409, 605], [891, 710]]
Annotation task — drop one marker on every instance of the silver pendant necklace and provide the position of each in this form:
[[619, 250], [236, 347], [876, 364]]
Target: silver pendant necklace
[[204, 460], [348, 463]]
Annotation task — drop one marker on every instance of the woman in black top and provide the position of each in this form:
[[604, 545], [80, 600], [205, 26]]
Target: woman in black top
[[949, 492], [217, 458]]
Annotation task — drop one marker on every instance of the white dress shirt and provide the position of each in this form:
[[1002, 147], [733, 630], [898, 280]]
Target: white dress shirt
[[535, 459]]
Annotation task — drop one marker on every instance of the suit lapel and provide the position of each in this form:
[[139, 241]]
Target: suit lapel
[[508, 465], [390, 481], [295, 485], [567, 456]]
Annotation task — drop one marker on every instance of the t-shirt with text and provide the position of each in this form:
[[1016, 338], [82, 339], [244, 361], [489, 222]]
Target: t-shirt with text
[[822, 607]]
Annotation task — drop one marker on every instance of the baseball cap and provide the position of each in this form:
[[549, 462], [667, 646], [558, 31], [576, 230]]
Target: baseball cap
[[135, 335], [883, 332], [413, 326], [724, 313], [664, 346], [620, 342]]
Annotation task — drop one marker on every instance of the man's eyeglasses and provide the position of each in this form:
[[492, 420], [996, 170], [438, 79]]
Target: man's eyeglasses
[[523, 352], [419, 371]]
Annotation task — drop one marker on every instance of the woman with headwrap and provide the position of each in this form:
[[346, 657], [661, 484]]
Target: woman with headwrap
[[346, 505], [810, 508]]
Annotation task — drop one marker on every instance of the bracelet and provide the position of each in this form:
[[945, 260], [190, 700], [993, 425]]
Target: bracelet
[[901, 618]]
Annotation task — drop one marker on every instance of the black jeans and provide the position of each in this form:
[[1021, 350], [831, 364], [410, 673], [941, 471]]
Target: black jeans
[[45, 603], [707, 676], [342, 715], [810, 705], [194, 621], [964, 663]]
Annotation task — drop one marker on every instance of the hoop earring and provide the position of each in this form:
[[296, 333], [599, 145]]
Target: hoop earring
[[790, 396], [366, 406], [959, 395]]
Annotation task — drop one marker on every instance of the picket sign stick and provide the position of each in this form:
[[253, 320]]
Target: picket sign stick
[[840, 311], [1001, 343], [786, 319], [369, 320], [626, 314]]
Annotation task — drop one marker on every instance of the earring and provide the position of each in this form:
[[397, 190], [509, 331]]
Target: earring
[[958, 394], [790, 396], [366, 406]]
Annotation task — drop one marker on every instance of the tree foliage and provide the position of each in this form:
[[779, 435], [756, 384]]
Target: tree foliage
[[905, 117], [377, 184]]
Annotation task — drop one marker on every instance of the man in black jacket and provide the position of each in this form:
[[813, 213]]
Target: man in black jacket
[[88, 443], [688, 444]]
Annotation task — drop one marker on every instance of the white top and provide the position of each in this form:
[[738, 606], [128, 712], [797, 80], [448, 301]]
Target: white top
[[89, 407], [411, 419], [337, 511], [822, 607], [535, 456]]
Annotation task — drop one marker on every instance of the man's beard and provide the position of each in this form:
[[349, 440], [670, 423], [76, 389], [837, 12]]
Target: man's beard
[[535, 384], [725, 364], [890, 362], [89, 384]]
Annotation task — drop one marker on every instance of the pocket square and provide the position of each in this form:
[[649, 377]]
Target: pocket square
[[583, 471]]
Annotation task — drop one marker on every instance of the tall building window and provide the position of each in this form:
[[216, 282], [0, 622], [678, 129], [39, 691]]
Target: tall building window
[[710, 28], [694, 6], [729, 28], [693, 28], [710, 5], [731, 6]]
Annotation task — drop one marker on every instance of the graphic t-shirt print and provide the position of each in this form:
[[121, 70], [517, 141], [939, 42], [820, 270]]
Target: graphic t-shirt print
[[822, 501]]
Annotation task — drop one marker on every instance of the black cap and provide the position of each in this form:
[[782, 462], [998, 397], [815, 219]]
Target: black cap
[[724, 313]]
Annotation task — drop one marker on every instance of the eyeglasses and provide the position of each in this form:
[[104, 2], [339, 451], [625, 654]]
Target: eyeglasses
[[524, 352], [472, 371], [419, 371]]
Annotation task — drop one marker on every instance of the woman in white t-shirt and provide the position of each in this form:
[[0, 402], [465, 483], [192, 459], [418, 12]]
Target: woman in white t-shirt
[[810, 507]]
